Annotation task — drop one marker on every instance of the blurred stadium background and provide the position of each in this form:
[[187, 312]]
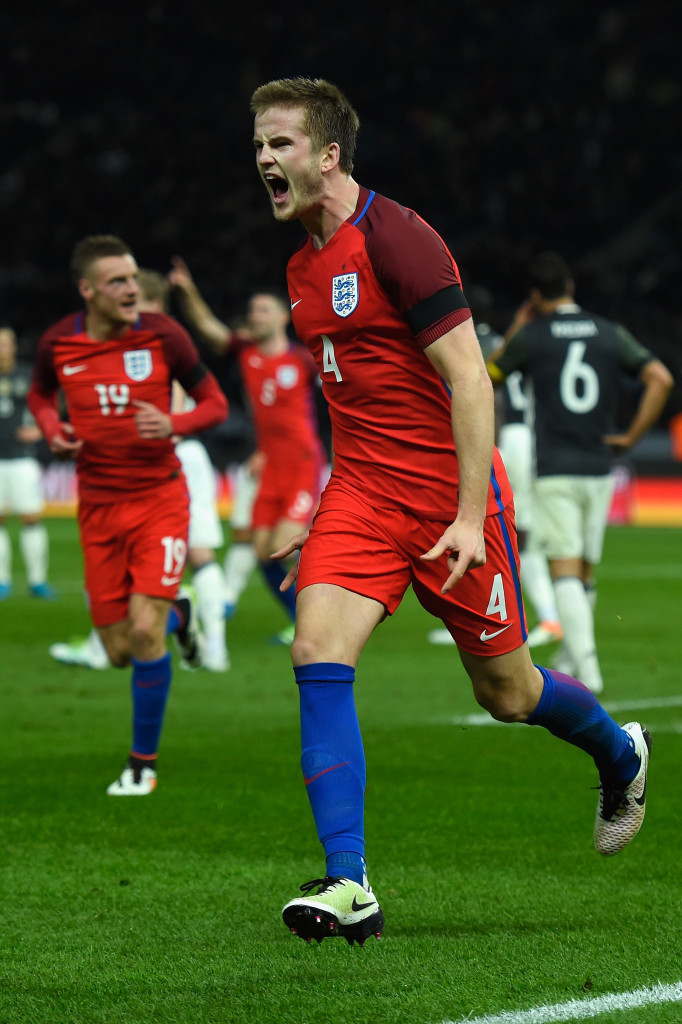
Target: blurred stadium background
[[511, 128]]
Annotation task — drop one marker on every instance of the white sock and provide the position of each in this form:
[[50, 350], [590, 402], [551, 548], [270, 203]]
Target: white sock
[[537, 583], [577, 620], [34, 548], [5, 557], [562, 662], [209, 583], [240, 561]]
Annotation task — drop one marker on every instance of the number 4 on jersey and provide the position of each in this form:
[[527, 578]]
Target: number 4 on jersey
[[329, 364]]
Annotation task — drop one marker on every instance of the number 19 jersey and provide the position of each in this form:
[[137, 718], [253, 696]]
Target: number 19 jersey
[[101, 381]]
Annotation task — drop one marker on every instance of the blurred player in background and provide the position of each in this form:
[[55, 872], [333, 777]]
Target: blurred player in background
[[280, 379], [574, 361], [115, 367], [20, 479], [205, 530], [418, 495], [514, 440]]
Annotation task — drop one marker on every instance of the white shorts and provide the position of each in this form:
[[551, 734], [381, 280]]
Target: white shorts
[[570, 515], [516, 448], [21, 490], [205, 528], [244, 490]]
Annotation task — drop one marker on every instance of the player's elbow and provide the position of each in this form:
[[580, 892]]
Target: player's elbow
[[657, 376]]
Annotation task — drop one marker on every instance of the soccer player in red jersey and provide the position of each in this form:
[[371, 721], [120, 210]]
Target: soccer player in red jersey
[[418, 494], [279, 376], [115, 366]]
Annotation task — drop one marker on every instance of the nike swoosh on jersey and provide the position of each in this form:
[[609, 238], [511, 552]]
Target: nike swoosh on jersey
[[69, 370], [489, 636], [293, 304], [168, 581]]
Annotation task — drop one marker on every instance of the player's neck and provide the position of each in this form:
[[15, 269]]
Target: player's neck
[[276, 345], [338, 204], [102, 329], [549, 306]]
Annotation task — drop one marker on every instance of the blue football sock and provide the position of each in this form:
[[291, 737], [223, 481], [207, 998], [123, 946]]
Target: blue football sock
[[333, 761], [347, 865], [274, 573], [150, 686], [572, 712]]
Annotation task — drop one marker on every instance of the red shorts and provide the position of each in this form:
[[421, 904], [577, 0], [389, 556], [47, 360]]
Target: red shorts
[[134, 547], [288, 492], [376, 552]]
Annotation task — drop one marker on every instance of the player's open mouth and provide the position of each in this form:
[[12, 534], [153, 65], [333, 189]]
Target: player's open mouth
[[279, 188]]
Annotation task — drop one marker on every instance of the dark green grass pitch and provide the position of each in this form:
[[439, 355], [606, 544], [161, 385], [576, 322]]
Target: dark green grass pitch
[[167, 908]]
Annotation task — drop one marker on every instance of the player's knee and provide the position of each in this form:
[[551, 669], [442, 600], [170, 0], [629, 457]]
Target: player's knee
[[503, 700], [145, 640], [306, 650]]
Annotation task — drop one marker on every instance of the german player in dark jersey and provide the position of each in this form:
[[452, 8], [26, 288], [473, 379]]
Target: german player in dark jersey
[[573, 362], [115, 367], [418, 494], [21, 491]]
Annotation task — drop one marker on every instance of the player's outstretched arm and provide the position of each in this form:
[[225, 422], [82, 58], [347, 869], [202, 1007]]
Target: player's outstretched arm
[[458, 359], [195, 309]]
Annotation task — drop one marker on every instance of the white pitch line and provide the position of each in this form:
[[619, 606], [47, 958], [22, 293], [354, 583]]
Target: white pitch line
[[647, 702], [580, 1009]]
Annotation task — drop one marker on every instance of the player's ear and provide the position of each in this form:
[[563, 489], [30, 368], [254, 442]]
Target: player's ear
[[85, 289], [330, 157]]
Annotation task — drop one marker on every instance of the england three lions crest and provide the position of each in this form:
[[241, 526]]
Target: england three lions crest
[[344, 293], [138, 363]]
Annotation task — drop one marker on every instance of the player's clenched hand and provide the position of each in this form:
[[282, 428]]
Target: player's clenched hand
[[180, 276], [295, 544], [464, 546], [152, 423], [63, 445]]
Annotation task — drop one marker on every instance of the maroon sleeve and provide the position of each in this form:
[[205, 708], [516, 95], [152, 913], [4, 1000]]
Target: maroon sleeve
[[181, 354], [416, 269], [42, 397], [44, 375]]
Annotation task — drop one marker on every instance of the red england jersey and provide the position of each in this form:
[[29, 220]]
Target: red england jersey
[[282, 399], [367, 304], [100, 381]]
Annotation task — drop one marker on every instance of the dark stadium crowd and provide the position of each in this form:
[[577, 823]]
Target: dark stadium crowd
[[510, 128]]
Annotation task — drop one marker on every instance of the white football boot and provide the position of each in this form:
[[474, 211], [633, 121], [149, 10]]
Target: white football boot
[[620, 812]]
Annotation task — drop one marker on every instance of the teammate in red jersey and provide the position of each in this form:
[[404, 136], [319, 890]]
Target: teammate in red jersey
[[115, 366], [418, 494], [279, 377]]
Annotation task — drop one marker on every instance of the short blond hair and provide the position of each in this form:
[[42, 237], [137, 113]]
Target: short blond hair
[[154, 286], [327, 115]]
